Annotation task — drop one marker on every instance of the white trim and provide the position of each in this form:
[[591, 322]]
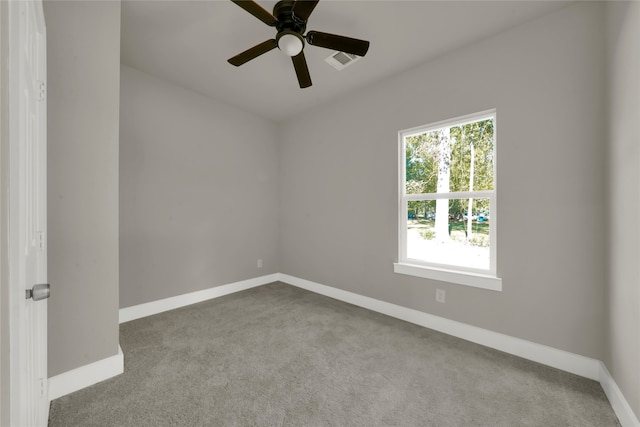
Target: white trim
[[85, 376], [148, 309], [618, 402], [480, 194], [456, 121], [560, 359], [403, 207], [477, 280]]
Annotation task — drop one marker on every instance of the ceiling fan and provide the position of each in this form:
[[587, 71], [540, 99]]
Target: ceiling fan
[[290, 20]]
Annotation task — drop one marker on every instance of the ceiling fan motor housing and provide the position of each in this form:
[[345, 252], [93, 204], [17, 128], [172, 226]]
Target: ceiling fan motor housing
[[287, 21], [283, 11]]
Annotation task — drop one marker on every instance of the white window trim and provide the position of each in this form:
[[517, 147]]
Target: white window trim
[[467, 278], [485, 279]]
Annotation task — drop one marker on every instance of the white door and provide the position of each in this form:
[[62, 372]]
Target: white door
[[27, 213]]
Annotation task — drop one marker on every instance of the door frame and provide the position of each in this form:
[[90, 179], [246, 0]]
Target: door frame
[[5, 334], [20, 406]]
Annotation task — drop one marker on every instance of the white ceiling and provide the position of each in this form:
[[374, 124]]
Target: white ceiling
[[188, 43]]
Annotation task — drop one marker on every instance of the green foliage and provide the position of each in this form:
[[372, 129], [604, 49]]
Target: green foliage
[[422, 163], [422, 208], [422, 160], [427, 233], [422, 156], [479, 240], [479, 135]]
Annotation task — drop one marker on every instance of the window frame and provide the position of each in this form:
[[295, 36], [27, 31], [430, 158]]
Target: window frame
[[481, 278]]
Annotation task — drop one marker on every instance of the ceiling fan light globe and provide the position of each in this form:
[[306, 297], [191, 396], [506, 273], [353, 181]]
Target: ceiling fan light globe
[[290, 44]]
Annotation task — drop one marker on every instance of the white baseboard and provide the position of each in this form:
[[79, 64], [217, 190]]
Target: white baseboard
[[618, 402], [86, 375], [560, 359], [154, 307]]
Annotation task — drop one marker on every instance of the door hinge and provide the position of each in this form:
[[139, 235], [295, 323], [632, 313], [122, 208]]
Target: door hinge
[[42, 385], [41, 90], [40, 240]]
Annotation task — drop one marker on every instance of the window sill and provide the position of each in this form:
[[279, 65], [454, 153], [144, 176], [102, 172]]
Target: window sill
[[476, 280]]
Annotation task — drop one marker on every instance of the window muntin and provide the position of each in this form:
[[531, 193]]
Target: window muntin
[[447, 204]]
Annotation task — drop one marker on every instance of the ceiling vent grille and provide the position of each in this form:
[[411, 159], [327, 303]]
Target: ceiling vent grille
[[340, 60]]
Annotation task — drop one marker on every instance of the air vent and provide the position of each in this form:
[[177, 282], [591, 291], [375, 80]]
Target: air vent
[[340, 60]]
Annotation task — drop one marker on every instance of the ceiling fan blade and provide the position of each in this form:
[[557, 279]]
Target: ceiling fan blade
[[253, 52], [256, 10], [341, 43], [303, 8], [302, 71]]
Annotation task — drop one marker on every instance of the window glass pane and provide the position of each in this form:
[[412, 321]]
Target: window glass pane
[[458, 158], [422, 210], [482, 139], [472, 156], [442, 232], [421, 159]]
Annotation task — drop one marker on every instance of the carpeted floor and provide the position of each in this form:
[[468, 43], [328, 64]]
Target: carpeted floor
[[281, 356]]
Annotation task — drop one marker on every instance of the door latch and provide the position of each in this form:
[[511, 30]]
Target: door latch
[[39, 292]]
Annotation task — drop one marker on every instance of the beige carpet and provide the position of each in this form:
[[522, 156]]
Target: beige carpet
[[281, 356]]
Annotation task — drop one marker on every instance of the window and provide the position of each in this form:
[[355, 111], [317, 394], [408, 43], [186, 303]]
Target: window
[[447, 203]]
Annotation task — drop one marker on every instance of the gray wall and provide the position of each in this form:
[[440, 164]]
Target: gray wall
[[623, 345], [198, 191], [338, 181], [83, 102], [4, 206]]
